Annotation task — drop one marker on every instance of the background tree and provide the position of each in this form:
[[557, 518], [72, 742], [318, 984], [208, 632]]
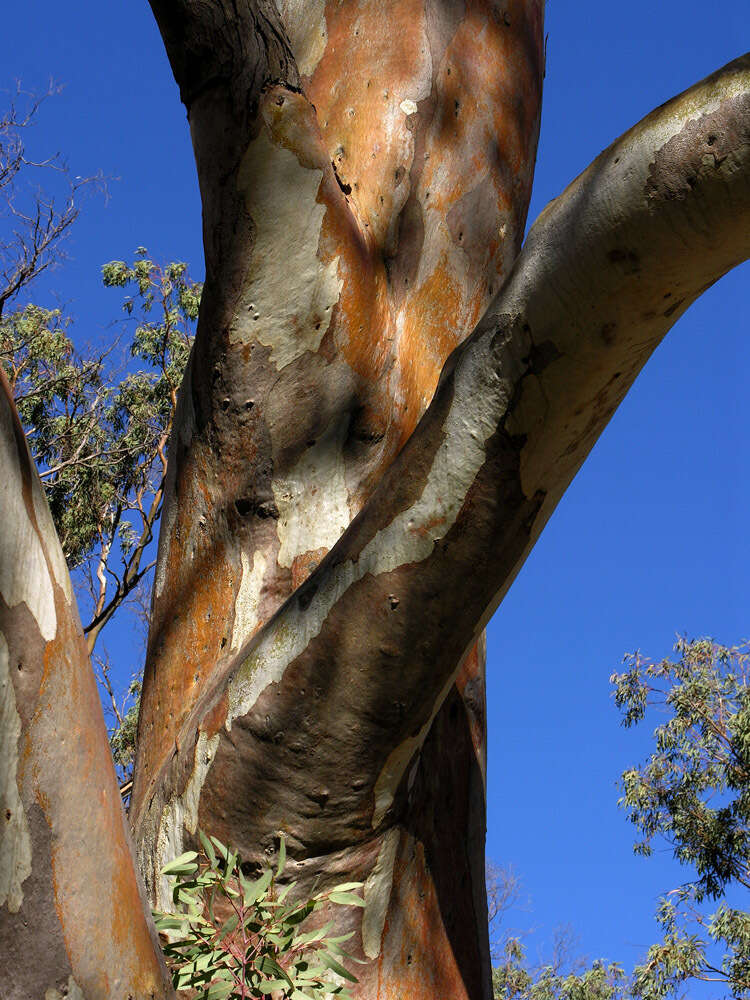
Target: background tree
[[694, 793], [33, 224], [381, 632], [98, 437], [563, 974], [98, 428]]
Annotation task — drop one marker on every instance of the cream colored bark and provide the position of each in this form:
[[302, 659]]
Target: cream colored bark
[[73, 917]]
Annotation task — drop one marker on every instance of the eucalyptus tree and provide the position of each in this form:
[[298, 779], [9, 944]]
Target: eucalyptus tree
[[386, 399]]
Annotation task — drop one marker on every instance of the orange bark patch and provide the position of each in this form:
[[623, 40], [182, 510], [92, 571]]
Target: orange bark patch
[[97, 899], [188, 637], [417, 960], [384, 49], [305, 564]]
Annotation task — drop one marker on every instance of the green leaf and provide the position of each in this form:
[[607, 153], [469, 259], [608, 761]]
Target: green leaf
[[227, 927], [346, 887], [208, 848], [309, 936], [218, 991], [253, 891], [268, 966], [221, 848], [269, 985], [282, 856], [346, 899], [184, 865], [166, 922], [330, 962]]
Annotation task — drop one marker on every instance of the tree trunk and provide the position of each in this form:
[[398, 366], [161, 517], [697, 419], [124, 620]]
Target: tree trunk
[[73, 919], [341, 517], [365, 171], [379, 218]]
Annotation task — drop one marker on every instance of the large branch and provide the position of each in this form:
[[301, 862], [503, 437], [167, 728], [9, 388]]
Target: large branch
[[376, 632], [73, 917]]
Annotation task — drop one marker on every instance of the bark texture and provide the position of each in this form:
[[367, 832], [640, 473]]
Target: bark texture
[[373, 216], [73, 918], [325, 569]]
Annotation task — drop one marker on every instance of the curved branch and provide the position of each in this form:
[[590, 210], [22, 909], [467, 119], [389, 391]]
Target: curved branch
[[376, 632]]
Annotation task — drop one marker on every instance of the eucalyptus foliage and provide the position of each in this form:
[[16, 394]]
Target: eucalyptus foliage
[[514, 979], [232, 936], [99, 434], [694, 793], [123, 737], [98, 425]]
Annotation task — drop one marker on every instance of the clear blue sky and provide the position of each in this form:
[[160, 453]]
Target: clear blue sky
[[650, 540]]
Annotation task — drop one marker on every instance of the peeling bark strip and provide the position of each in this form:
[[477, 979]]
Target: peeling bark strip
[[73, 920]]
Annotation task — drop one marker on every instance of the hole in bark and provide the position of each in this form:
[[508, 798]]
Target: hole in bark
[[223, 641], [20, 666], [280, 100], [667, 295], [617, 159], [250, 505], [8, 814], [225, 403], [456, 106], [249, 404], [711, 140], [608, 332], [346, 188]]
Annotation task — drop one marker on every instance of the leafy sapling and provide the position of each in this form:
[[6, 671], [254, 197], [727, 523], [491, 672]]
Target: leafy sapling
[[234, 937]]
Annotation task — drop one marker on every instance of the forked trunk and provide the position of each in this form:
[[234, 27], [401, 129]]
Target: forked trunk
[[327, 563], [370, 203]]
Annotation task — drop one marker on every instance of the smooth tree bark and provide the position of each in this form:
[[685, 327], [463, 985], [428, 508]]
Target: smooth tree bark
[[73, 915], [341, 518], [356, 241]]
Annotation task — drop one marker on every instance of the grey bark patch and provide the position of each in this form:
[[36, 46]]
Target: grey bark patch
[[34, 934], [702, 146]]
